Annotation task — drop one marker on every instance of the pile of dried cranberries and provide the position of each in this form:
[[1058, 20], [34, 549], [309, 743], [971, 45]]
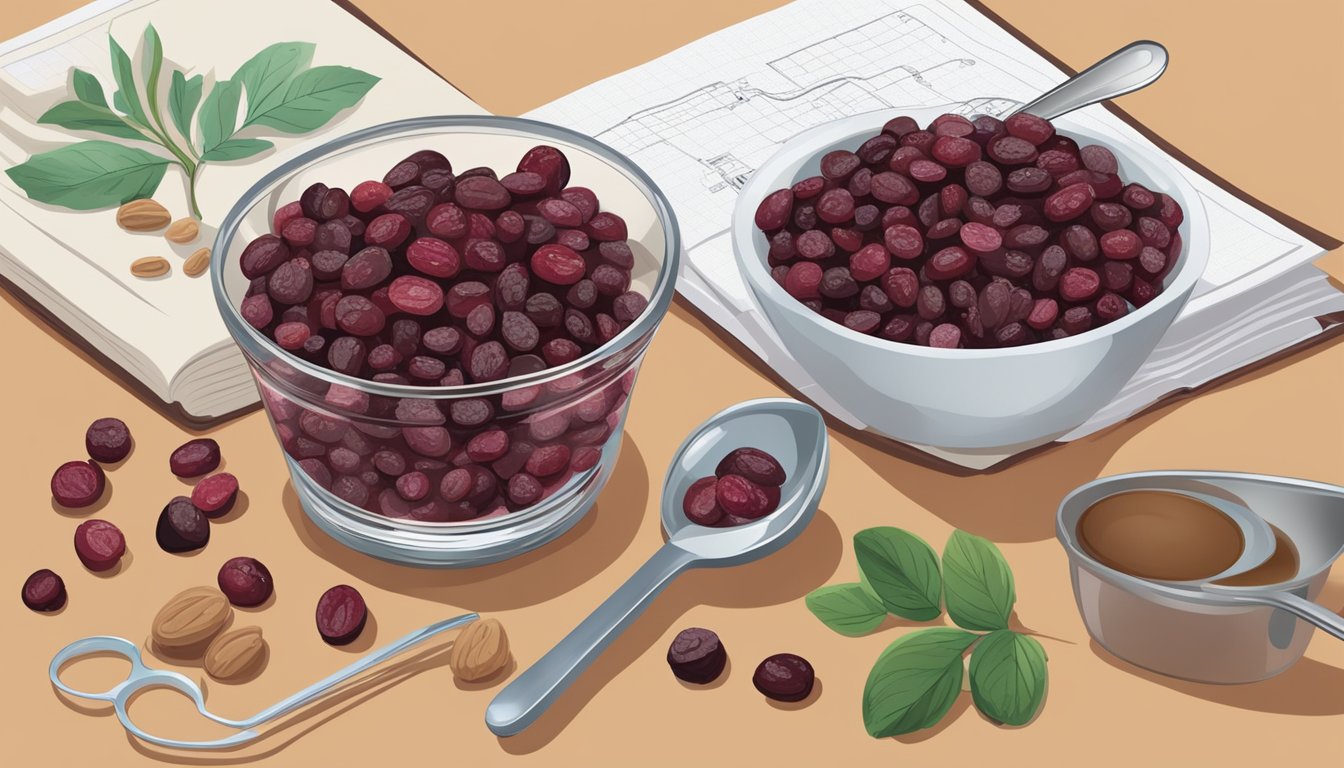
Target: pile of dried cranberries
[[439, 279], [983, 233]]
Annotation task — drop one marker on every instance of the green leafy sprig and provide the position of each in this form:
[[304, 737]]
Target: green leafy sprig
[[283, 94], [917, 679]]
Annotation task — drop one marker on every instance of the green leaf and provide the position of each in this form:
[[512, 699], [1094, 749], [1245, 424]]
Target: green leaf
[[83, 116], [314, 97], [87, 88], [153, 63], [915, 681], [846, 608], [266, 75], [978, 583], [219, 113], [1008, 677], [183, 96], [125, 98], [236, 149], [89, 175], [902, 571]]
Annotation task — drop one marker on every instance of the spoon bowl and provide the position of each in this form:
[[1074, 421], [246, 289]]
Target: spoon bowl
[[796, 435]]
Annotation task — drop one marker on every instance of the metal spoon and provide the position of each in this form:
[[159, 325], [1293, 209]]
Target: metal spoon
[[791, 431], [1133, 67]]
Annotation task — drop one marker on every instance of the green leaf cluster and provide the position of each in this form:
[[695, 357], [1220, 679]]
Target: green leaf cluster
[[918, 678], [275, 91]]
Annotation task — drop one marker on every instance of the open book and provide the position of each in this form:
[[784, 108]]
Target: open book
[[703, 117], [74, 265]]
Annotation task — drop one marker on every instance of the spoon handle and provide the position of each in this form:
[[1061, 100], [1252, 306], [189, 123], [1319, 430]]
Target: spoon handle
[[1128, 69], [1305, 609], [523, 700]]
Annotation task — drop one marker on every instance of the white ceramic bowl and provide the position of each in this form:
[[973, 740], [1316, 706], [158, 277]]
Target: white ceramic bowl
[[965, 399]]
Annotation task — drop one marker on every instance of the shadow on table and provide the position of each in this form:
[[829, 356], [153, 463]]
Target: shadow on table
[[1309, 687], [787, 575], [584, 551]]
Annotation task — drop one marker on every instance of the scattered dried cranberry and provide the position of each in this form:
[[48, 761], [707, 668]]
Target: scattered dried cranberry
[[697, 656], [341, 615], [215, 495], [784, 677], [194, 457], [108, 440], [78, 483], [965, 206], [182, 527], [44, 591], [99, 545], [245, 581]]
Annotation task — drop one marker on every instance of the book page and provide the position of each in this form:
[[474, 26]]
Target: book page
[[702, 118], [83, 257]]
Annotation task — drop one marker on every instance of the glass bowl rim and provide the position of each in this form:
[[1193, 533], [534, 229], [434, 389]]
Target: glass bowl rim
[[253, 341]]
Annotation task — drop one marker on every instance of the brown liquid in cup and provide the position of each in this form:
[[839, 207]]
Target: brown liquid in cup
[[1280, 567], [1160, 535]]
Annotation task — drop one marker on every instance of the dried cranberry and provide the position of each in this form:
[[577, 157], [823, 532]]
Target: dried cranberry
[[696, 655], [341, 615], [741, 497], [549, 163], [44, 591], [194, 457], [108, 440], [182, 527], [1099, 159], [99, 545], [753, 464], [214, 495], [245, 581], [78, 483], [700, 504], [784, 677]]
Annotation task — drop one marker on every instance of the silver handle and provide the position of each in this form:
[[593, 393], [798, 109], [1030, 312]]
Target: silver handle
[[522, 701], [1128, 69], [1303, 608]]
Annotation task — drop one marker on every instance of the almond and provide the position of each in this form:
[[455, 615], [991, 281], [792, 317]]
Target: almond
[[183, 231], [191, 617], [480, 651], [197, 263], [150, 266], [143, 216], [234, 653]]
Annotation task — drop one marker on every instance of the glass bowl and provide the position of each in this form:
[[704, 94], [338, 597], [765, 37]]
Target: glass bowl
[[347, 439]]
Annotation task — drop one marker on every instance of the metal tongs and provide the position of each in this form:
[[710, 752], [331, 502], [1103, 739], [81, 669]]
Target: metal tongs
[[142, 677]]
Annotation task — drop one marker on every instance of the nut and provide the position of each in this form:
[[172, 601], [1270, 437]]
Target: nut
[[197, 262], [150, 266], [480, 651], [234, 653], [191, 617], [183, 231], [143, 215]]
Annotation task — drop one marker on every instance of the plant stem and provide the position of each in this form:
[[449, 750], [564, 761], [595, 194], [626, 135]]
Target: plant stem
[[191, 190]]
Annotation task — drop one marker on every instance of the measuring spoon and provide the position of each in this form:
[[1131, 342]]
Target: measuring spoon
[[794, 434]]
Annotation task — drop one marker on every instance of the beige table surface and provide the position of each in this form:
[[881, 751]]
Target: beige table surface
[[628, 710]]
